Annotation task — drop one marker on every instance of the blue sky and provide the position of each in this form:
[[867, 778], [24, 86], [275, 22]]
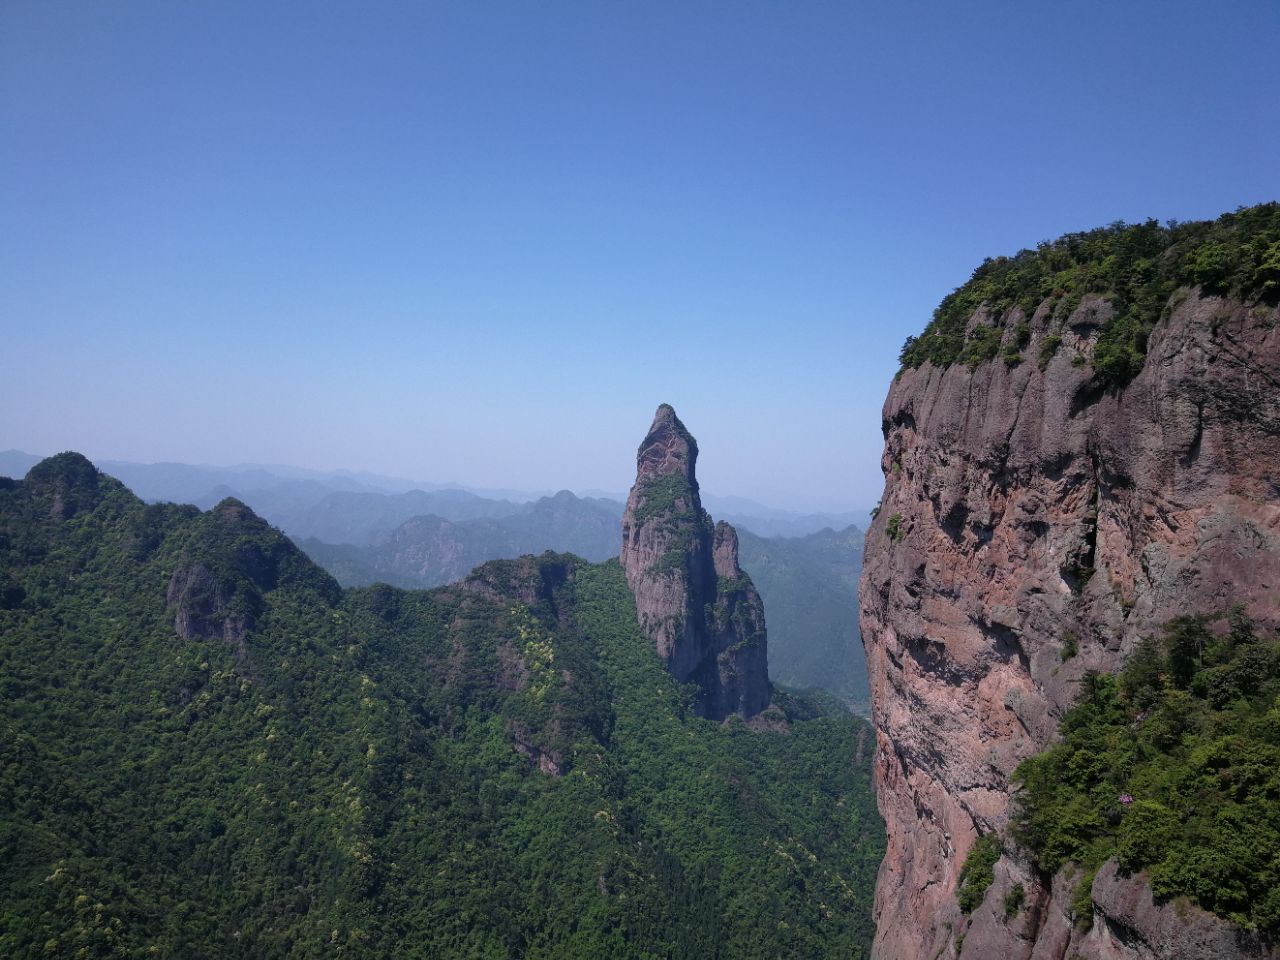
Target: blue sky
[[481, 241]]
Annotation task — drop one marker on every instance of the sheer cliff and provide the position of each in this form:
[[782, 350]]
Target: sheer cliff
[[1084, 445], [693, 600]]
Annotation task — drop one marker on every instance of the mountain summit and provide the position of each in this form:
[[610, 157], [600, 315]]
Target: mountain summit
[[693, 600]]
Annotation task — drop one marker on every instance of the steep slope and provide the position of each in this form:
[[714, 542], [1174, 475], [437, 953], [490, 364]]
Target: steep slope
[[693, 600], [208, 749], [1083, 446], [809, 586]]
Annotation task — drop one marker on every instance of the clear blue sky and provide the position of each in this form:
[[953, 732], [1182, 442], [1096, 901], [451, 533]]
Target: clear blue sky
[[482, 241]]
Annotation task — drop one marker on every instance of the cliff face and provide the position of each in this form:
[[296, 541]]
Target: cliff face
[[693, 601], [1034, 526]]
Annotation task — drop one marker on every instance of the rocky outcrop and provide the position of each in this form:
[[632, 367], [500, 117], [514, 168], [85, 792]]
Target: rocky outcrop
[[693, 601], [1036, 524], [231, 560]]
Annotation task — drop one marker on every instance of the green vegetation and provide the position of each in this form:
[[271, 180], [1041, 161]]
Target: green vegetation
[[893, 529], [978, 872], [810, 590], [1137, 267], [1014, 900], [1172, 767], [1048, 347], [659, 497], [500, 769]]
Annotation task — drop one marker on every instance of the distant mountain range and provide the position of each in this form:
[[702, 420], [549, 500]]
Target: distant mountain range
[[430, 549], [297, 500], [805, 566]]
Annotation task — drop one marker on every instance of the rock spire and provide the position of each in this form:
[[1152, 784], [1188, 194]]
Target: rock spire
[[693, 600]]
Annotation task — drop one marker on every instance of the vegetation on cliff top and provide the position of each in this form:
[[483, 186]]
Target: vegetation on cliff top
[[1172, 767], [357, 773], [1137, 267]]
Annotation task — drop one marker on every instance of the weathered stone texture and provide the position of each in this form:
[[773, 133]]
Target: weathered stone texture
[[1027, 512], [692, 599]]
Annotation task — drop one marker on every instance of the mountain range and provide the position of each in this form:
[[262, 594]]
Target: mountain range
[[426, 538], [211, 749]]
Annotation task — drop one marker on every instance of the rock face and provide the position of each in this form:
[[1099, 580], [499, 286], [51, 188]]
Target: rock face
[[1036, 525], [693, 601]]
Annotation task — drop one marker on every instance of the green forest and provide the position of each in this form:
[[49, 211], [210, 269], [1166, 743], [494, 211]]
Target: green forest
[[1172, 768], [208, 749], [1137, 267]]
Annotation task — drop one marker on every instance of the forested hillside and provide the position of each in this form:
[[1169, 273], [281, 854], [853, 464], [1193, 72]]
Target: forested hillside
[[208, 749], [810, 590]]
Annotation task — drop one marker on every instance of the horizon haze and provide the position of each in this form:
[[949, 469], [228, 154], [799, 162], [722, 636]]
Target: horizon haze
[[483, 243]]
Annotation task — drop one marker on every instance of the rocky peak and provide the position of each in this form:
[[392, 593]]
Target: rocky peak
[[68, 482], [706, 633], [668, 447]]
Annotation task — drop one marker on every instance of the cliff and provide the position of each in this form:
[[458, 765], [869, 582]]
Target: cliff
[[693, 600], [1041, 516]]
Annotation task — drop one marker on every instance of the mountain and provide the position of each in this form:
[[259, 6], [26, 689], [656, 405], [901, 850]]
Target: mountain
[[809, 586], [209, 749], [368, 518], [772, 522], [15, 463], [693, 601], [426, 551], [1078, 549]]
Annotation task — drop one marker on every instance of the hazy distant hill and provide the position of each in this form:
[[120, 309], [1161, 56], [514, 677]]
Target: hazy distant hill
[[427, 551], [300, 501], [810, 590], [366, 518]]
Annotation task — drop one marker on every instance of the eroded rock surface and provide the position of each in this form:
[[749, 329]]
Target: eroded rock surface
[[692, 599], [1036, 525]]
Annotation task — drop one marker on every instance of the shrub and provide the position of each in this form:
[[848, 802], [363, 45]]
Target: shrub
[[978, 872], [1137, 267], [1013, 901], [1172, 767]]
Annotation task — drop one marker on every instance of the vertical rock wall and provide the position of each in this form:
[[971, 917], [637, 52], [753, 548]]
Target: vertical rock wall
[[1036, 525]]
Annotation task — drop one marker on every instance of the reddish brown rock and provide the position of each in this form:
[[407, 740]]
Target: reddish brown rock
[[1028, 512], [693, 601]]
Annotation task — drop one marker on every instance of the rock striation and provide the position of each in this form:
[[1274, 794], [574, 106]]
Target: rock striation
[[1035, 525], [692, 599]]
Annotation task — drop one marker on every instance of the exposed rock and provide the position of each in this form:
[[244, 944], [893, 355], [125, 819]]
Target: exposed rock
[[201, 606], [1036, 525], [693, 600], [534, 581], [230, 560], [548, 762]]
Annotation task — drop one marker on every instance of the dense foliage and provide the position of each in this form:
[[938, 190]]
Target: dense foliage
[[978, 872], [1172, 767], [496, 770], [1138, 267]]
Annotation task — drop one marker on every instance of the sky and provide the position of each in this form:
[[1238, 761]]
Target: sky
[[480, 242]]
